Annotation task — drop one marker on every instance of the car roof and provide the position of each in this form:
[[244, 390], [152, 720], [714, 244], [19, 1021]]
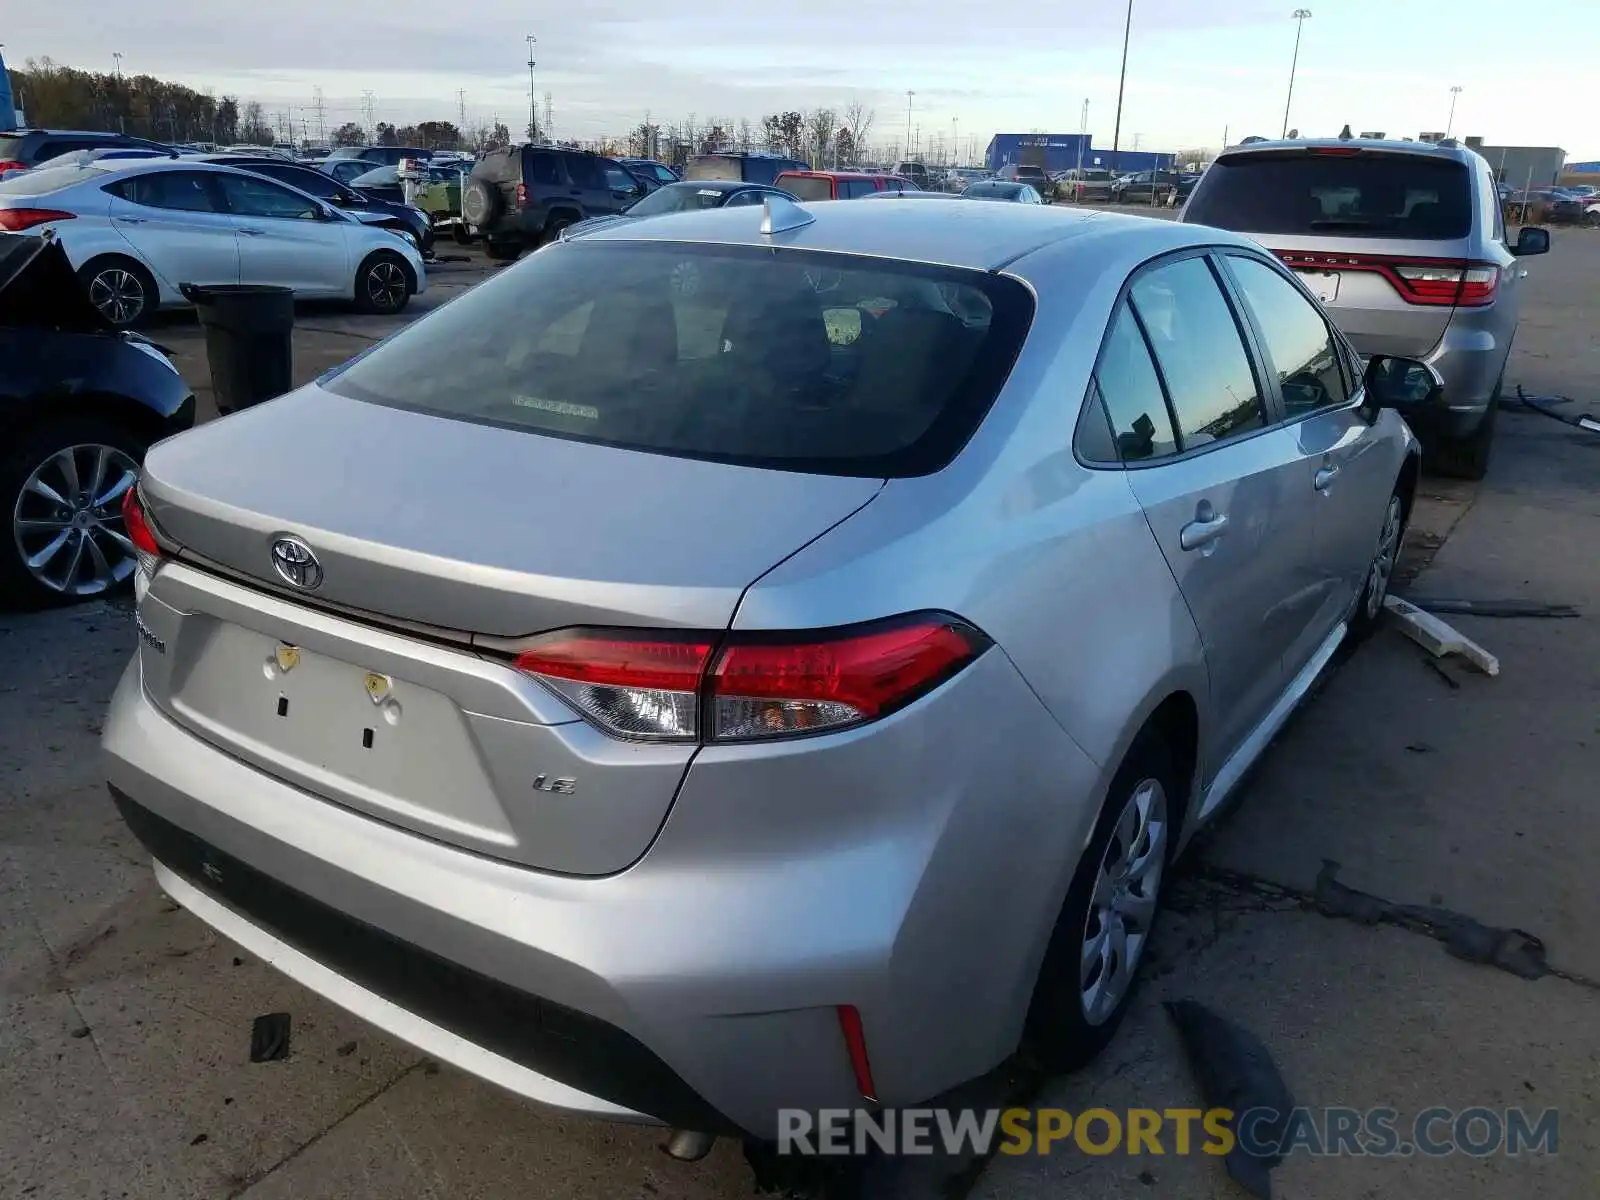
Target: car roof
[[1451, 150], [981, 237]]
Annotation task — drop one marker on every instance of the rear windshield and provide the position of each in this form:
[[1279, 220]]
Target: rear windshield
[[11, 149], [1382, 195], [823, 363], [678, 197], [806, 187], [47, 179]]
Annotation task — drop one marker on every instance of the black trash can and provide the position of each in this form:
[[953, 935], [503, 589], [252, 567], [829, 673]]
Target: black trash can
[[249, 340]]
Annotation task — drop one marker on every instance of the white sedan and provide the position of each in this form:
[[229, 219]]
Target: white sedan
[[137, 229]]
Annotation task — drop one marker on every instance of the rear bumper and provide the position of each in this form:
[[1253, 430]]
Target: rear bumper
[[912, 869]]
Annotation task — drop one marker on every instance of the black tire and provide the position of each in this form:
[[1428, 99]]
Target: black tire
[[1059, 1035], [115, 279], [383, 284], [1391, 537], [1468, 457], [554, 226], [34, 447], [1592, 218], [481, 203], [462, 233], [502, 251]]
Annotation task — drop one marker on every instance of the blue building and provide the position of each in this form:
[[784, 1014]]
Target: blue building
[[1059, 152]]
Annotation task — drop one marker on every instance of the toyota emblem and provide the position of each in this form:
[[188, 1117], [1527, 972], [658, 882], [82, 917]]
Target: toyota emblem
[[295, 564]]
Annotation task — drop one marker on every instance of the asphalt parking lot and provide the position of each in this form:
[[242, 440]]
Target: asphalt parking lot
[[125, 1024]]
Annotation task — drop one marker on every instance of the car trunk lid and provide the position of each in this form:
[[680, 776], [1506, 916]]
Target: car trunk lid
[[383, 688]]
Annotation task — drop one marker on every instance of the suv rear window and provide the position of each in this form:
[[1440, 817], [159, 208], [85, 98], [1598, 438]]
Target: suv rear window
[[762, 356], [806, 187], [1370, 195]]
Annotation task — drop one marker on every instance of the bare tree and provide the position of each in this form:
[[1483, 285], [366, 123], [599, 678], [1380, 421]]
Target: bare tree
[[746, 134], [253, 127], [858, 119], [821, 125]]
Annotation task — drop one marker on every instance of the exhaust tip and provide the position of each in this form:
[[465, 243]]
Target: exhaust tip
[[687, 1145]]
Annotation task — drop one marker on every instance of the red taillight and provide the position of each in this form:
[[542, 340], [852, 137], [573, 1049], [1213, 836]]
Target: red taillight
[[138, 527], [767, 687], [662, 686], [1335, 151], [855, 1044], [1436, 282], [15, 220], [522, 195], [12, 164]]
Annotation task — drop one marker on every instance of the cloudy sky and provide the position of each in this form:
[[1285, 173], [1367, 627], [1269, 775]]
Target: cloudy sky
[[1194, 69]]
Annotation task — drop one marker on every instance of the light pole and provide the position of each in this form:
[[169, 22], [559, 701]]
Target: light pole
[[1116, 130], [955, 141], [908, 124], [1449, 125], [533, 96], [117, 56], [1299, 16]]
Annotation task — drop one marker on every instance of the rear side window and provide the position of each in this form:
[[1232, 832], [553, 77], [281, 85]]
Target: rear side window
[[1376, 195], [1199, 348], [854, 189], [1131, 392], [544, 168], [807, 187], [585, 172], [763, 356], [185, 191]]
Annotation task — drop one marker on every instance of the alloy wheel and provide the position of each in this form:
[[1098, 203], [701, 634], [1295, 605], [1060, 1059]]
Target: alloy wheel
[[1123, 907], [67, 522], [386, 285], [118, 294], [1383, 561]]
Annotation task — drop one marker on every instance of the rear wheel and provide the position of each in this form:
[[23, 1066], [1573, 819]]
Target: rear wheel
[[502, 251], [61, 491], [120, 288], [462, 233], [383, 284], [1468, 457], [1091, 966], [1380, 572], [554, 226]]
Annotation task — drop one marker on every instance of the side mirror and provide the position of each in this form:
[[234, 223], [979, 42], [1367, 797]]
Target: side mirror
[[1532, 241], [1402, 383]]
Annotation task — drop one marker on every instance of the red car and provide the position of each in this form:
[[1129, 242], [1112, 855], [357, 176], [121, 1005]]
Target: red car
[[840, 185]]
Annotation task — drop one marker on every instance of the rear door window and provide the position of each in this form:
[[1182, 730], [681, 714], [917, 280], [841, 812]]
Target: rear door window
[[585, 173], [1131, 391], [184, 191], [807, 187], [544, 168], [1369, 195], [854, 189], [1201, 352], [777, 357]]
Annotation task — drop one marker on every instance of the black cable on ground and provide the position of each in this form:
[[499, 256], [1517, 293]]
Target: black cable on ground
[[1523, 401]]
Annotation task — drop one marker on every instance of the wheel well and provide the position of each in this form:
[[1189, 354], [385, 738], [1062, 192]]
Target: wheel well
[[411, 276], [106, 406], [1406, 485], [1177, 720]]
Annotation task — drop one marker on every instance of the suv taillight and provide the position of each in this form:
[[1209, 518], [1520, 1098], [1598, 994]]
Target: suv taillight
[[1436, 282], [12, 164], [744, 686], [522, 195]]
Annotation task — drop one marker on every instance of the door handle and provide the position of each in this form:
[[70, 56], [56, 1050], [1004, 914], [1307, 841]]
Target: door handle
[[1205, 529], [1324, 478], [131, 220], [253, 232]]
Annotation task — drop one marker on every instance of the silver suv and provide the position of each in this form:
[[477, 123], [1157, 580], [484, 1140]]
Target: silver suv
[[1405, 245]]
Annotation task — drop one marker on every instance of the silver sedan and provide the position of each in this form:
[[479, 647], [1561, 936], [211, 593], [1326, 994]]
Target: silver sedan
[[776, 654], [135, 230]]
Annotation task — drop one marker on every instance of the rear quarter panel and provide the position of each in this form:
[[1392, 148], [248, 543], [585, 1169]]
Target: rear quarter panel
[[1054, 561]]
